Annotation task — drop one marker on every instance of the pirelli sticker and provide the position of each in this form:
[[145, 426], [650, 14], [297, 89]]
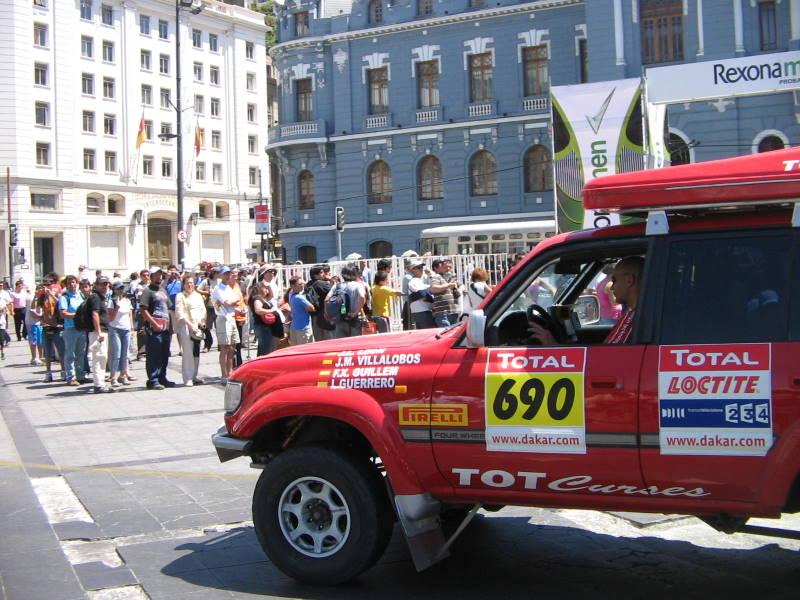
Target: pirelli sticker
[[434, 415], [534, 400]]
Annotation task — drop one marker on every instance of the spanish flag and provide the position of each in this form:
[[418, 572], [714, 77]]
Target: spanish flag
[[140, 137], [198, 140]]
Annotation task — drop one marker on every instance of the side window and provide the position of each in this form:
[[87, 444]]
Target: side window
[[727, 290]]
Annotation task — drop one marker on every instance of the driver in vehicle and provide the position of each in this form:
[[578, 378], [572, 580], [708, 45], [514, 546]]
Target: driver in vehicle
[[626, 281]]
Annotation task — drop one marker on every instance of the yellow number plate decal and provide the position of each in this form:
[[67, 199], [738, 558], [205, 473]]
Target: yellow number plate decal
[[534, 400]]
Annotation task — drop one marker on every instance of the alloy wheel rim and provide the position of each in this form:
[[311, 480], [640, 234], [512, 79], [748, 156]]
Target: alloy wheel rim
[[314, 517]]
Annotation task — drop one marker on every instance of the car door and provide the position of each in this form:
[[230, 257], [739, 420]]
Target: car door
[[540, 425], [718, 390]]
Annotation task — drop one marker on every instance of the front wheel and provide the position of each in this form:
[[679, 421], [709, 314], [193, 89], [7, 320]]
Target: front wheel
[[321, 515]]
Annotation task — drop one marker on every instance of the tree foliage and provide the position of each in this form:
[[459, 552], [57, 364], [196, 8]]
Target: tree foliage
[[270, 39]]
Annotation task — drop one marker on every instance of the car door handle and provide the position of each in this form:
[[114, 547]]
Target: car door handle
[[605, 383], [796, 382]]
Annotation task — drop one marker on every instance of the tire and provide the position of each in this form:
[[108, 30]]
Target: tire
[[344, 499]]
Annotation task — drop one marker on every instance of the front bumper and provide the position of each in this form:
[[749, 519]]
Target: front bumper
[[229, 447]]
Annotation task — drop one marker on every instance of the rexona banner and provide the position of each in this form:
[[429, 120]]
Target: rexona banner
[[597, 130], [761, 74]]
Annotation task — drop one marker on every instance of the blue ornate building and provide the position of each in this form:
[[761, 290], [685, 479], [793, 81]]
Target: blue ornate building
[[416, 114]]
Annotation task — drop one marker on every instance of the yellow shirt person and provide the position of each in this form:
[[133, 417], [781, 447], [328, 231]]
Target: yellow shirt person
[[381, 301]]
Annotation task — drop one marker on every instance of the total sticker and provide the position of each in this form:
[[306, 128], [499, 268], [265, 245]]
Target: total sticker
[[535, 400]]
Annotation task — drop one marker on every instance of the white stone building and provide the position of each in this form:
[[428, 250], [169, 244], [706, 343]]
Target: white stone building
[[77, 79]]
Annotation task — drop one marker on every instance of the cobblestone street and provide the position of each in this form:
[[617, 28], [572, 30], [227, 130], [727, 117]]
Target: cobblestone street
[[122, 496]]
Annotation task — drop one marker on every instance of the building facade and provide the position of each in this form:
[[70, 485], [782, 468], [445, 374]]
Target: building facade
[[88, 99], [413, 114]]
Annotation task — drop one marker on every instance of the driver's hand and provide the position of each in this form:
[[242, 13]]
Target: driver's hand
[[541, 334]]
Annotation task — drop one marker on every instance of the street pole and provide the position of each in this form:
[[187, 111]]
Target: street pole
[[179, 123], [10, 248], [261, 203]]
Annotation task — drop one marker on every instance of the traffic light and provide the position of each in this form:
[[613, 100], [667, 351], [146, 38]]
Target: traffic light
[[12, 234], [340, 218]]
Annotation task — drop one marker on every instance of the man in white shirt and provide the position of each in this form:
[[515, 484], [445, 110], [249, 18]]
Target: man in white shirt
[[225, 301], [420, 298]]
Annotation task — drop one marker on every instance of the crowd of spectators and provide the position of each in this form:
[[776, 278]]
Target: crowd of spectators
[[88, 330]]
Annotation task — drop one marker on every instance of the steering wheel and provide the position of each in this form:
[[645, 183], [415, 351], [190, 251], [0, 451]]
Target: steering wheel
[[539, 315]]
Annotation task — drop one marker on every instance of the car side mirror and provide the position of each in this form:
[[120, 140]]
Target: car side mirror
[[587, 309], [476, 326]]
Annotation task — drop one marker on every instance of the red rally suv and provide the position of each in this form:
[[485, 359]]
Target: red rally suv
[[694, 410]]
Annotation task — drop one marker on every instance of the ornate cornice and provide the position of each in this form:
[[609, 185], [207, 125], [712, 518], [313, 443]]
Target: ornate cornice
[[465, 17]]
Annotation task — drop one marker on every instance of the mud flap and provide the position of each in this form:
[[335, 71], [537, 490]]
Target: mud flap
[[419, 518]]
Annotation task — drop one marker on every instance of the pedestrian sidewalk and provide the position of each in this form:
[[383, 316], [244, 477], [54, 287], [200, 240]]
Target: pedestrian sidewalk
[[136, 463]]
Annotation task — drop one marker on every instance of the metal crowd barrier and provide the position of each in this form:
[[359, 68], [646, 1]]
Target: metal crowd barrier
[[496, 265]]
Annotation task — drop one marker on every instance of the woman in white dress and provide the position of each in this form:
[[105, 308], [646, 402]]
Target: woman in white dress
[[190, 310]]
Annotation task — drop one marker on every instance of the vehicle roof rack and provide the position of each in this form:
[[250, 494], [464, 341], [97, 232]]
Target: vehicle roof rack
[[746, 183]]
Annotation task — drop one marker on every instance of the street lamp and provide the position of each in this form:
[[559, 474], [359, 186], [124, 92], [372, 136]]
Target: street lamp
[[194, 7]]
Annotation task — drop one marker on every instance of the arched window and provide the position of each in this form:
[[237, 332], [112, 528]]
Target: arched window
[[116, 204], [95, 204], [483, 174], [679, 153], [222, 211], [425, 7], [429, 178], [206, 209], [305, 190], [769, 143], [538, 169], [380, 249], [376, 12], [379, 183], [307, 254]]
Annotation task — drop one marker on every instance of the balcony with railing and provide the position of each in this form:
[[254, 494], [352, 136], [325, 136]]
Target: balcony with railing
[[484, 108], [536, 104], [301, 129], [429, 114], [378, 121]]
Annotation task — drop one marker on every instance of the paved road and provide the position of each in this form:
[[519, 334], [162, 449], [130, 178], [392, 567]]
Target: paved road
[[121, 496]]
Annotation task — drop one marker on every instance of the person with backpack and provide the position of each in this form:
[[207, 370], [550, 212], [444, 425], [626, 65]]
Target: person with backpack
[[316, 292], [97, 307], [51, 327], [74, 333], [344, 304]]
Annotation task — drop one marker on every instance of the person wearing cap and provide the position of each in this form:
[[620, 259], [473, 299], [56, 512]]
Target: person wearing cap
[[420, 297], [119, 331], [226, 300], [97, 347], [73, 339], [268, 273], [154, 307]]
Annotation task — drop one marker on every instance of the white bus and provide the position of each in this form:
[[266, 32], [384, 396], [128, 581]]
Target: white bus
[[485, 238]]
